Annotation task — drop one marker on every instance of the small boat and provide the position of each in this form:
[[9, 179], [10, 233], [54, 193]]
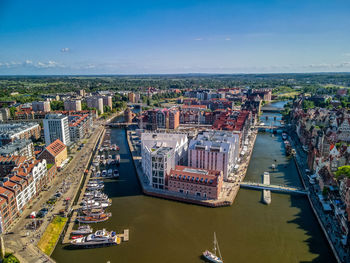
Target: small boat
[[284, 136], [212, 257], [116, 173], [78, 236], [82, 230], [273, 166]]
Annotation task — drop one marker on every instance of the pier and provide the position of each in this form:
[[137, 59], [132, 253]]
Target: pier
[[274, 188]]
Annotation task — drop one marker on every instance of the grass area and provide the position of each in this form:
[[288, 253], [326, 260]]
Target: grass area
[[49, 239], [289, 94]]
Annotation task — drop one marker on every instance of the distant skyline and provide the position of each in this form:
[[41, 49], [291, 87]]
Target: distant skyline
[[171, 37]]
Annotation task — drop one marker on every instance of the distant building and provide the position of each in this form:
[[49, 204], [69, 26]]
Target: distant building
[[72, 105], [55, 153], [107, 101], [95, 102], [82, 93], [195, 182], [163, 119], [132, 97], [4, 114], [41, 106], [10, 132], [128, 115], [56, 127], [214, 150], [79, 126], [18, 148]]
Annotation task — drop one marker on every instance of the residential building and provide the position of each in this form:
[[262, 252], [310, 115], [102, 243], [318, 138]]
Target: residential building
[[18, 148], [107, 101], [72, 105], [214, 150], [131, 97], [56, 127], [82, 93], [10, 132], [194, 182], [41, 106], [128, 115], [160, 152], [95, 102], [56, 153], [79, 126], [4, 114]]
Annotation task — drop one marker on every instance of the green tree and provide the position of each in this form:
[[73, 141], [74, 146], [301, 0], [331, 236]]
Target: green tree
[[343, 171], [57, 105], [13, 112]]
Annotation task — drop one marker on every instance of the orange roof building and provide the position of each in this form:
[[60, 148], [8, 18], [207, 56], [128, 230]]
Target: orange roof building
[[55, 153]]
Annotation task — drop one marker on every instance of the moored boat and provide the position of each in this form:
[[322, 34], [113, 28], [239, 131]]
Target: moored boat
[[93, 219], [82, 230], [99, 238]]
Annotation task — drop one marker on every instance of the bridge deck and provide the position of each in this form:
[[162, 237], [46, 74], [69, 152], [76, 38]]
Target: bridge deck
[[277, 188]]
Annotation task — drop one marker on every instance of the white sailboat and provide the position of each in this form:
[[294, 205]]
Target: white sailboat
[[212, 257]]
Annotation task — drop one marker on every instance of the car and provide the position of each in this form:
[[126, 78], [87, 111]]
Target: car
[[42, 213]]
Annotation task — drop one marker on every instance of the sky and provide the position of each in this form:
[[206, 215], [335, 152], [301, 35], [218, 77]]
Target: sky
[[182, 36]]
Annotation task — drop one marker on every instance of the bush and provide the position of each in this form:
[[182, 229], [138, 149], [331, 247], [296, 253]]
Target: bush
[[10, 258]]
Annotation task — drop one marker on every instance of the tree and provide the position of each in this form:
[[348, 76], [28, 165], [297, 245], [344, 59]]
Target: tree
[[13, 112], [106, 108], [343, 171], [57, 105]]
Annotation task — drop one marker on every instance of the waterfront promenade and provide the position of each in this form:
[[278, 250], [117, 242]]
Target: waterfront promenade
[[229, 189]]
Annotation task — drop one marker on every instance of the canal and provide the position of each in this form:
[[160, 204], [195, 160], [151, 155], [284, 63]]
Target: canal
[[248, 231]]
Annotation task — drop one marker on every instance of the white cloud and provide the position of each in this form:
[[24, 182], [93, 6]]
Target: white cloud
[[227, 39], [346, 54], [198, 39], [65, 49]]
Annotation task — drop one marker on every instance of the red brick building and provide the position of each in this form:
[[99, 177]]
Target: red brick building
[[195, 182]]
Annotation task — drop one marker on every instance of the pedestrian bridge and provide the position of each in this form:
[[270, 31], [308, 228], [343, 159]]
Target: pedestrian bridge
[[275, 188]]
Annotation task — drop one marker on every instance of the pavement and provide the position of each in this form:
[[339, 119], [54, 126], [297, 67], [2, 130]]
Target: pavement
[[329, 222], [21, 241]]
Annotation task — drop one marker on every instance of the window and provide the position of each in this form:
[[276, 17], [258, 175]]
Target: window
[[198, 194], [181, 191]]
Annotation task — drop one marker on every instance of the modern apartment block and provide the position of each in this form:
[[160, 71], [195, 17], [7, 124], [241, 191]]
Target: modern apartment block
[[214, 150], [72, 105], [10, 132], [79, 126], [107, 101], [163, 119], [161, 152], [41, 106], [18, 148], [56, 127], [195, 182], [95, 102]]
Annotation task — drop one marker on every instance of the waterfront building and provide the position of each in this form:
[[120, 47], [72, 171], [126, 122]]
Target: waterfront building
[[56, 153], [10, 132], [56, 127], [214, 150], [194, 182], [72, 105], [8, 208], [160, 152], [18, 148], [95, 102], [41, 106], [128, 115], [163, 119]]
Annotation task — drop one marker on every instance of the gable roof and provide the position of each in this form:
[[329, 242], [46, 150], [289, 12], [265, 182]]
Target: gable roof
[[55, 148]]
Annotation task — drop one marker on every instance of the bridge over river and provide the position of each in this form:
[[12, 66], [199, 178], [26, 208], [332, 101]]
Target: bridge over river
[[275, 188]]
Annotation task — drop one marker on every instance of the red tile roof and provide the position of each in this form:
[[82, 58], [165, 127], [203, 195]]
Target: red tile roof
[[56, 147]]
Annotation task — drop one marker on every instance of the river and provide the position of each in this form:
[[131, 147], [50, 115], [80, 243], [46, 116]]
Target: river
[[248, 231]]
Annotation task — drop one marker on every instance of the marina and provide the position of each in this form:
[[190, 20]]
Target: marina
[[287, 227]]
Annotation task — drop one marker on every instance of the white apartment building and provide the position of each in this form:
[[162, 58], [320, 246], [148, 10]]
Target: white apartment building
[[178, 141], [214, 150], [72, 105], [56, 127]]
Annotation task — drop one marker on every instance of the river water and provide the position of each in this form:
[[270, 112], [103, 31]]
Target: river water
[[248, 231]]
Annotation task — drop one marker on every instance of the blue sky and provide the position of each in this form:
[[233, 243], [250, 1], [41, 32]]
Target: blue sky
[[141, 37]]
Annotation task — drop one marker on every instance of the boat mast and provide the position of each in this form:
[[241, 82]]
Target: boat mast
[[217, 244], [214, 243]]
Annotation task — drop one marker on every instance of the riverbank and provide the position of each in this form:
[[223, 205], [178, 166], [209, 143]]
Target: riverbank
[[229, 189]]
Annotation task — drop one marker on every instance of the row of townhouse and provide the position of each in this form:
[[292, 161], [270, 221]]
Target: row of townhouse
[[22, 180], [325, 135]]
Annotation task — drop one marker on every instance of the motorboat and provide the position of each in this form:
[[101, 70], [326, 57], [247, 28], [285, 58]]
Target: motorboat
[[211, 256], [99, 238], [78, 236], [284, 136], [82, 230], [116, 173], [110, 172]]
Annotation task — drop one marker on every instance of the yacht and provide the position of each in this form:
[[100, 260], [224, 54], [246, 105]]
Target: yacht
[[116, 173], [94, 218], [82, 230], [99, 238], [212, 257]]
